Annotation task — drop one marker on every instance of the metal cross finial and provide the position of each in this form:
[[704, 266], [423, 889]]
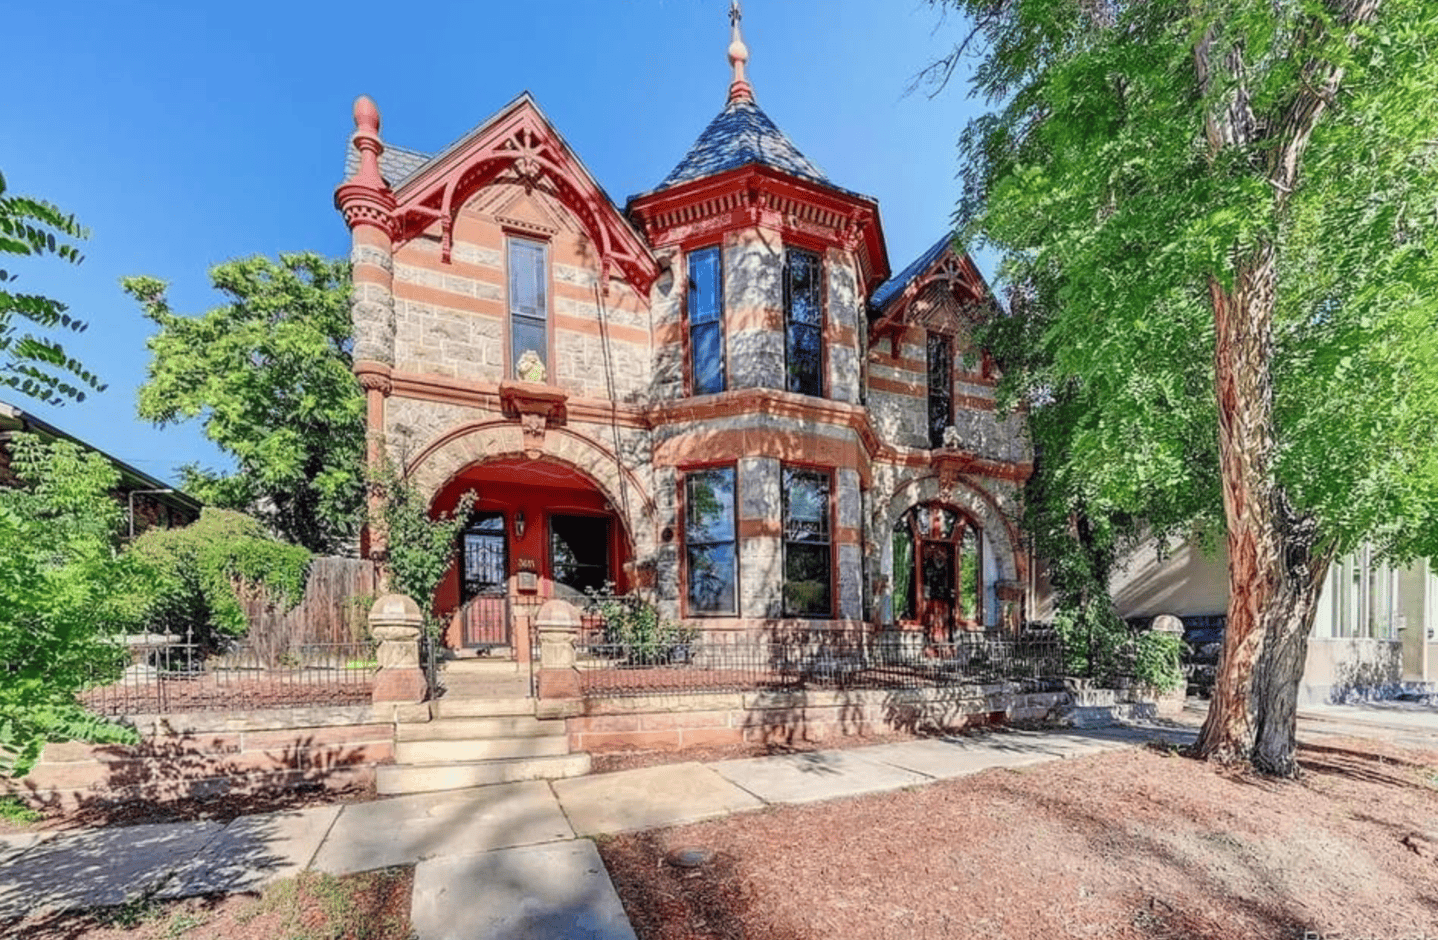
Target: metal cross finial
[[735, 14]]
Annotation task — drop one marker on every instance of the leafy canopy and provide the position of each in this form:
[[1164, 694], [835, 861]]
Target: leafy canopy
[[1097, 178], [30, 362], [268, 374], [198, 570], [64, 596]]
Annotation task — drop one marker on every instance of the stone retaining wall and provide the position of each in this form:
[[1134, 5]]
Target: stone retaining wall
[[666, 722], [206, 755]]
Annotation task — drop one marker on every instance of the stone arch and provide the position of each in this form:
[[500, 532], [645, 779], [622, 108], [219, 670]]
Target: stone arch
[[1000, 532], [465, 446]]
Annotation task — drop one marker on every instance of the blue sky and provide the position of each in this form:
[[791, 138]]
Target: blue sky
[[185, 134]]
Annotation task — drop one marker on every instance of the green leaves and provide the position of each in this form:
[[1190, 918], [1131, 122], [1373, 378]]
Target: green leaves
[[268, 375], [30, 363], [63, 595], [419, 547], [198, 572]]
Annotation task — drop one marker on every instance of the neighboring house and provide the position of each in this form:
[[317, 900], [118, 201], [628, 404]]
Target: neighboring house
[[1375, 632], [716, 392], [152, 502]]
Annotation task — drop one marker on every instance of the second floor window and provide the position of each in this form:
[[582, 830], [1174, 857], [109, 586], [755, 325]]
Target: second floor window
[[803, 322], [706, 322], [528, 310], [807, 572], [941, 387], [710, 563]]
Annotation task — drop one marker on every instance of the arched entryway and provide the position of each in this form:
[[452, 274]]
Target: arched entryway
[[939, 571], [539, 529]]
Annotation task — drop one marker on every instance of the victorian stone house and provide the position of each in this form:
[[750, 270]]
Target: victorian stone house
[[719, 393]]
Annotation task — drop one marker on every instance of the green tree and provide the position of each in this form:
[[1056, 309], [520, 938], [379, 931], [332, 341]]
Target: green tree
[[268, 374], [30, 362], [64, 597], [1241, 198], [418, 545], [201, 570]]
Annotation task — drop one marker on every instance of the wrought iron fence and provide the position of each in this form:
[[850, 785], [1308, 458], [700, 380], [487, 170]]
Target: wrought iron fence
[[165, 676], [818, 659]]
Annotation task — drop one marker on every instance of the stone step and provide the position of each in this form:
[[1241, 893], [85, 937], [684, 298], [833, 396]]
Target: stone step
[[454, 705], [1094, 698], [441, 751], [462, 706], [468, 729], [1103, 716], [394, 779], [480, 667]]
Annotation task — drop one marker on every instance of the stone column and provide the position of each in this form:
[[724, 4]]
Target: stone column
[[559, 691], [1170, 703], [396, 621]]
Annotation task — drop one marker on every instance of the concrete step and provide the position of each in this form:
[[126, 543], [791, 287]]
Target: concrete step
[[423, 778], [455, 752], [468, 729]]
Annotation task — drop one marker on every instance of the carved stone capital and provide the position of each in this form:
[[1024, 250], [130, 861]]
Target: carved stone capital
[[363, 205], [374, 376]]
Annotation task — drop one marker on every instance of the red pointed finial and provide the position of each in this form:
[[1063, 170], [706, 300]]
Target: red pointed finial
[[739, 89], [366, 141]]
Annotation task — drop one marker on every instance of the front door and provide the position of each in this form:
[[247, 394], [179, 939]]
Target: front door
[[484, 580], [936, 591]]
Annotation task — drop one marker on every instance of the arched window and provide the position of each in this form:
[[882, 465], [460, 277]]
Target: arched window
[[938, 570]]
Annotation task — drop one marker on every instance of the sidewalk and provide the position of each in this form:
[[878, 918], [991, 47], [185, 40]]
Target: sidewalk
[[507, 861]]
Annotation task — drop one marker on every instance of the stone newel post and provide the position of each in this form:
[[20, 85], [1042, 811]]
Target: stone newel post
[[558, 623], [395, 621]]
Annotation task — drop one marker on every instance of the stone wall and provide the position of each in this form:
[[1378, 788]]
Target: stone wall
[[206, 755], [671, 722]]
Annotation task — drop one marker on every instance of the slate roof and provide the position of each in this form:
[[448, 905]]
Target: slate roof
[[742, 134], [396, 164], [895, 285]]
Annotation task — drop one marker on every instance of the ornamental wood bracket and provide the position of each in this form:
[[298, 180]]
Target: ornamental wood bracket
[[535, 406]]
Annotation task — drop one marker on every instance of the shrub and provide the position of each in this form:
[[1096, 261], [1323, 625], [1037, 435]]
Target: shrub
[[206, 572], [634, 623]]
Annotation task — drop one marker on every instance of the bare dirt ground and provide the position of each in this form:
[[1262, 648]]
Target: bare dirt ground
[[1133, 844]]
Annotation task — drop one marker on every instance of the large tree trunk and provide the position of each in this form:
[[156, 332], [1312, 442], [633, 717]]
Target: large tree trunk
[[1242, 356], [1286, 650]]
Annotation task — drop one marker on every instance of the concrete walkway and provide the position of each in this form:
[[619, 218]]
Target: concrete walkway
[[508, 861]]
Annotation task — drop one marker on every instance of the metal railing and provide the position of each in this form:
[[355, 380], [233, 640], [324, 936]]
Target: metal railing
[[819, 659], [180, 677]]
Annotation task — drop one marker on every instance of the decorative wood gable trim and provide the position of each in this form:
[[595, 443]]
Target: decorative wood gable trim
[[952, 272], [520, 144]]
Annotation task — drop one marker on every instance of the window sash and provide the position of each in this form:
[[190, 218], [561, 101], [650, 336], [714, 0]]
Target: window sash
[[710, 545], [941, 387], [808, 552], [528, 301], [804, 321], [706, 321]]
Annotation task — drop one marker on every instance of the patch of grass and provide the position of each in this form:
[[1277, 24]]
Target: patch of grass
[[14, 810], [182, 922], [346, 906], [133, 913]]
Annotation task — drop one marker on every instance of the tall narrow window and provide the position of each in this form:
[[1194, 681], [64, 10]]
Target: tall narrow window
[[709, 541], [803, 322], [941, 387], [807, 572], [528, 309], [706, 321]]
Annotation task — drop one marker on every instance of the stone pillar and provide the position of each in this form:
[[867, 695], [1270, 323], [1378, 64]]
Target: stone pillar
[[754, 308], [761, 547], [558, 623], [1170, 703], [396, 621]]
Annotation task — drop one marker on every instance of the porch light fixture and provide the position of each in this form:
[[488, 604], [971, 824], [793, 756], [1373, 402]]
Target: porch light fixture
[[519, 524]]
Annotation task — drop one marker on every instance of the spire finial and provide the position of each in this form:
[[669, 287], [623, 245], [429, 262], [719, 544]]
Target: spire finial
[[739, 89]]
